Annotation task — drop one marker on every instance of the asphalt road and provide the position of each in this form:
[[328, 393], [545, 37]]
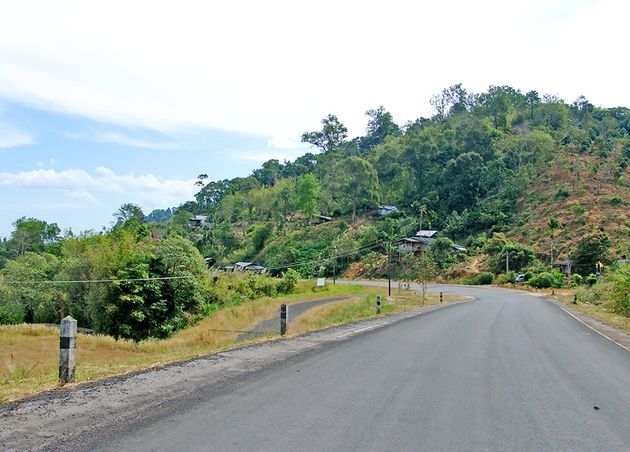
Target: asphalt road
[[508, 371]]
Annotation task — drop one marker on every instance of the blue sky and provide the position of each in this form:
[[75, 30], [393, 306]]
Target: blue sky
[[75, 171], [103, 103]]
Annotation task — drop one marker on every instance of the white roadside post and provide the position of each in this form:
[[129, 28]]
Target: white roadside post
[[378, 304], [67, 349]]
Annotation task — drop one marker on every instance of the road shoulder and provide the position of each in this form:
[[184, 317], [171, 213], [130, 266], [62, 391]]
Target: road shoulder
[[58, 418], [611, 333]]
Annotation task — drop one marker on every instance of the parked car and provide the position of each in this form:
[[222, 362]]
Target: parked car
[[519, 278]]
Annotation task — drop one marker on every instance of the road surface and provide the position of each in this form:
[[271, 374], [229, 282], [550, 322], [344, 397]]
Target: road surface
[[508, 371]]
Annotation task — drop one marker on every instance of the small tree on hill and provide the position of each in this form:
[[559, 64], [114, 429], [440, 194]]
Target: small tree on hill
[[307, 195], [424, 270]]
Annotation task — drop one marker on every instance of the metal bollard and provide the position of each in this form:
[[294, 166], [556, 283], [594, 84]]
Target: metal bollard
[[67, 349], [574, 298], [378, 304], [440, 297], [283, 319]]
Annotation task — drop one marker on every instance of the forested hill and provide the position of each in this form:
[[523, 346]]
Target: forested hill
[[510, 176], [498, 161]]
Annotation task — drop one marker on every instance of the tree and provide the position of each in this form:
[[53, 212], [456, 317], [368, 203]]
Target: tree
[[442, 252], [270, 172], [380, 126], [357, 182], [31, 234], [588, 251], [307, 195], [128, 211], [532, 99], [40, 302], [333, 133], [425, 270], [452, 100]]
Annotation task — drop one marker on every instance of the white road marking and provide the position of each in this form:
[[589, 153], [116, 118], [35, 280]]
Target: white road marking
[[597, 331]]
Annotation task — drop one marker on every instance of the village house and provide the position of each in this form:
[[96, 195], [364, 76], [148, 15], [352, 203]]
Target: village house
[[421, 242], [200, 221]]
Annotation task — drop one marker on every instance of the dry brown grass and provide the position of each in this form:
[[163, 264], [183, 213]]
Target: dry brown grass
[[362, 307], [29, 353], [598, 312]]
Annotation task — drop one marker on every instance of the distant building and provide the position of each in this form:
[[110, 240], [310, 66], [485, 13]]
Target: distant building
[[200, 221], [386, 210], [319, 219], [414, 245], [564, 265], [240, 266], [427, 233], [421, 242]]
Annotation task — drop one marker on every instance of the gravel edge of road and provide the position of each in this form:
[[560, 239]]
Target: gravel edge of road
[[54, 419]]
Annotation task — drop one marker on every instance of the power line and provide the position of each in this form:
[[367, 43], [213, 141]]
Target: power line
[[88, 281]]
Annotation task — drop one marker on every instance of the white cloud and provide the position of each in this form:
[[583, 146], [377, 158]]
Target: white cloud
[[119, 138], [11, 137], [284, 142], [277, 67], [85, 189]]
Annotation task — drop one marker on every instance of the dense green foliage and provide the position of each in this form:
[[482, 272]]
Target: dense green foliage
[[463, 172]]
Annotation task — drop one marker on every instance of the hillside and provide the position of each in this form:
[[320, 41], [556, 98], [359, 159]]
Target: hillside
[[582, 192], [501, 172]]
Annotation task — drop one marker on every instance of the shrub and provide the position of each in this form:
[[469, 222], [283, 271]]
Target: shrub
[[562, 193], [577, 280], [590, 280], [615, 201], [290, 279], [11, 310], [547, 280], [505, 278], [482, 278], [619, 292]]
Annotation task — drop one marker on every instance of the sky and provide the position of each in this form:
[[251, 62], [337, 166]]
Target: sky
[[103, 103]]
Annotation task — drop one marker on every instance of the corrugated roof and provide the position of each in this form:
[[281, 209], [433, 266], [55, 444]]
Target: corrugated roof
[[426, 233]]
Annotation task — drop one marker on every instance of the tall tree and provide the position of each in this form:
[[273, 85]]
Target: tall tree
[[331, 136], [31, 234], [357, 182], [128, 211], [532, 99], [307, 195], [380, 126]]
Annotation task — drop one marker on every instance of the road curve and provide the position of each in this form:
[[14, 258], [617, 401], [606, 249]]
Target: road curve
[[508, 371]]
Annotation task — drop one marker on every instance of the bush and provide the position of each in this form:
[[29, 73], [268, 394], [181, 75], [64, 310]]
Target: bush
[[577, 280], [619, 292], [11, 310], [482, 278], [290, 279], [590, 280], [505, 278], [547, 280]]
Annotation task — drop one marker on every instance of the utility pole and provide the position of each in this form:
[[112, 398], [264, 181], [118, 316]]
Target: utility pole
[[507, 262], [389, 269], [335, 265]]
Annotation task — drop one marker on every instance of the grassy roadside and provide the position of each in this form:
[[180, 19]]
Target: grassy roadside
[[362, 307], [29, 353]]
